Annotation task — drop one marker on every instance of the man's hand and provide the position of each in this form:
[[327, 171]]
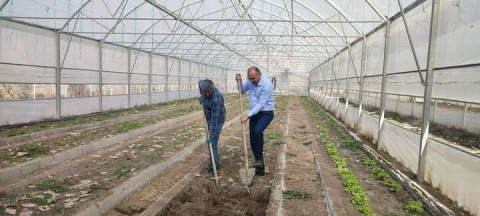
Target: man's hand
[[238, 78], [245, 118], [208, 141]]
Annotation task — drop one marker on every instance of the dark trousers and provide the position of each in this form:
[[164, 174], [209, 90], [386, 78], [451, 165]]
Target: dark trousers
[[258, 124]]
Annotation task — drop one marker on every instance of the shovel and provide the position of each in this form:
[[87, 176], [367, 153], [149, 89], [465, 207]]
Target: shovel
[[211, 153], [246, 174]]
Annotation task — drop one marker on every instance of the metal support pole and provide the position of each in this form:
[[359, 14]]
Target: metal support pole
[[411, 42], [167, 72], [360, 93], [347, 87], [129, 75], [383, 94], [422, 154], [331, 89], [100, 76], [413, 105], [58, 72], [179, 78], [465, 110], [150, 70], [190, 79]]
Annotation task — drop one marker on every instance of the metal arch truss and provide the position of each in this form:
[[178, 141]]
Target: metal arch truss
[[308, 46]]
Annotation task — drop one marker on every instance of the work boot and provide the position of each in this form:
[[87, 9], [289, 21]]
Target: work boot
[[259, 168]]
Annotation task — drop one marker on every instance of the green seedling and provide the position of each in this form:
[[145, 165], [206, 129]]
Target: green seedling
[[380, 174], [414, 207], [95, 187], [272, 135], [277, 143], [392, 184], [369, 162], [293, 194], [291, 154], [34, 150], [44, 200], [122, 171], [307, 143], [52, 184], [302, 127], [60, 208]]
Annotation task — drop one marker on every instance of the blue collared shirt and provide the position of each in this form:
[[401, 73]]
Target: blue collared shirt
[[260, 96]]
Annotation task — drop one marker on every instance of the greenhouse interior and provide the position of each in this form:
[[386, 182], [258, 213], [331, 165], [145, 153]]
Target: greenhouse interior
[[239, 107]]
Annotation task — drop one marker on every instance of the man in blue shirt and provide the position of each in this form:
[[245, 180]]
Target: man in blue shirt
[[261, 104], [214, 109]]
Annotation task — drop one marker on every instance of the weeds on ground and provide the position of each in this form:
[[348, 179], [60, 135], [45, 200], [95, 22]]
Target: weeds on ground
[[34, 150], [272, 135], [307, 143], [55, 185], [414, 207], [59, 208], [2, 209], [95, 187], [122, 171], [42, 200], [291, 154], [302, 127], [293, 194], [277, 143]]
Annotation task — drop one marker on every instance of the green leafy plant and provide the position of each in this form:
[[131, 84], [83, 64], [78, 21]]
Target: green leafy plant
[[414, 207], [122, 171], [45, 200], [2, 209], [307, 143], [60, 208], [392, 184], [271, 135], [291, 154], [369, 162], [277, 143], [293, 194], [55, 185], [379, 173]]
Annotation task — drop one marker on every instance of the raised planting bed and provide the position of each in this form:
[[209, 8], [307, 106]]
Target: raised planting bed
[[371, 193], [108, 175]]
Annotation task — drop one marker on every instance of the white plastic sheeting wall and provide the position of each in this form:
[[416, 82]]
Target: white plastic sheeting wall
[[28, 56]]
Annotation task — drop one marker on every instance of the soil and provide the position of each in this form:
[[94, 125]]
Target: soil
[[382, 200], [203, 197], [108, 169], [300, 172]]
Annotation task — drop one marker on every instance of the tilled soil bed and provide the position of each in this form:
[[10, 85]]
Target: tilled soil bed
[[203, 197]]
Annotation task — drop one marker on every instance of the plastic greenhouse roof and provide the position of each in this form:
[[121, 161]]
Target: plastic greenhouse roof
[[227, 33]]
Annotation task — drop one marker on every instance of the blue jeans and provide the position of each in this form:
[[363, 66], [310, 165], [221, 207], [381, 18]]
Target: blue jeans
[[215, 146], [258, 124]]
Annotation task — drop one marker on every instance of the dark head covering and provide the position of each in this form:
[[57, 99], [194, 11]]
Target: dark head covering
[[206, 84]]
